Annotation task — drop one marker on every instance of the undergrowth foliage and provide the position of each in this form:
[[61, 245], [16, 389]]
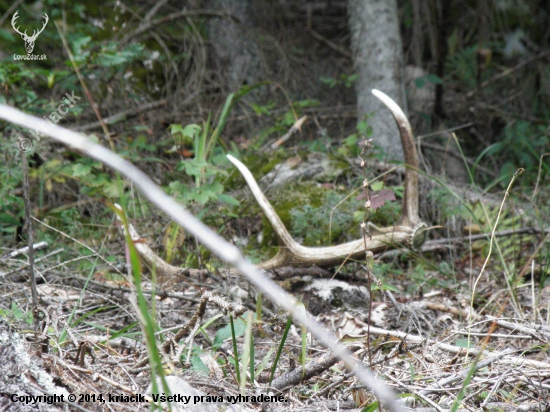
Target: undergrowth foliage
[[183, 148]]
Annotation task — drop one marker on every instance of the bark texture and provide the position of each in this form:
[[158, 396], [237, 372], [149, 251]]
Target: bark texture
[[236, 55], [378, 60]]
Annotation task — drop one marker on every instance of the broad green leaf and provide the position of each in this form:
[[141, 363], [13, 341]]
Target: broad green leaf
[[432, 78], [112, 189], [230, 200], [81, 170], [225, 332]]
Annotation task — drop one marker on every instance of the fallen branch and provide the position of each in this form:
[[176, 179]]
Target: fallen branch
[[436, 386], [506, 360], [300, 374], [297, 126], [536, 333]]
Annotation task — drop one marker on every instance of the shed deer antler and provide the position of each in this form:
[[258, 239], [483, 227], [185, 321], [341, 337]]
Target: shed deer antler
[[408, 230]]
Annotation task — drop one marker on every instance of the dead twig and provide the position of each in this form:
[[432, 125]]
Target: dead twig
[[464, 373], [536, 333], [30, 234], [508, 72], [502, 233], [125, 114], [296, 127], [23, 250], [300, 374], [148, 24], [472, 351]]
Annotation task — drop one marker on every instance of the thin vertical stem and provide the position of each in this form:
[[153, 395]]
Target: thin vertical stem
[[30, 235]]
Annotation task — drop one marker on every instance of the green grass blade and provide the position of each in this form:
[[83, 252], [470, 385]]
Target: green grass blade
[[247, 359], [235, 352], [280, 349], [146, 321]]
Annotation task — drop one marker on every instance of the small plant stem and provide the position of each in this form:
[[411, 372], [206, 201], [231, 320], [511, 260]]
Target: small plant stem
[[366, 145], [28, 223], [280, 349], [491, 242], [369, 287]]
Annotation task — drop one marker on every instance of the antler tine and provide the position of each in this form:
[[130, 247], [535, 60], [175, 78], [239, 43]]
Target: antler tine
[[47, 19], [410, 197], [13, 19], [280, 231], [36, 33]]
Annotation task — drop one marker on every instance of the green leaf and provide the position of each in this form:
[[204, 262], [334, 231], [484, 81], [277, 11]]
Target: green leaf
[[188, 132], [432, 78], [112, 189], [225, 333], [330, 81], [364, 129], [377, 185], [81, 170], [386, 286], [194, 167], [99, 180], [198, 365], [206, 192], [20, 315], [6, 35], [230, 200], [351, 140], [79, 43], [371, 408], [462, 343], [419, 82], [112, 59], [177, 188], [8, 219], [51, 80]]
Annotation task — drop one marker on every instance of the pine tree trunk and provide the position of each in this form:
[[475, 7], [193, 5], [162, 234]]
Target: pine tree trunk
[[378, 61]]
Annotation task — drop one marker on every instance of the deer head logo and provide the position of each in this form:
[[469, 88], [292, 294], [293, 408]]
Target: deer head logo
[[29, 40]]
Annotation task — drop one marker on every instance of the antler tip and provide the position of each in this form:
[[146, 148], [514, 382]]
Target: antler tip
[[237, 163]]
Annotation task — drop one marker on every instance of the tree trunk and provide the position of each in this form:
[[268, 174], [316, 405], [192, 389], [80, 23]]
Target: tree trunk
[[378, 60], [236, 56]]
